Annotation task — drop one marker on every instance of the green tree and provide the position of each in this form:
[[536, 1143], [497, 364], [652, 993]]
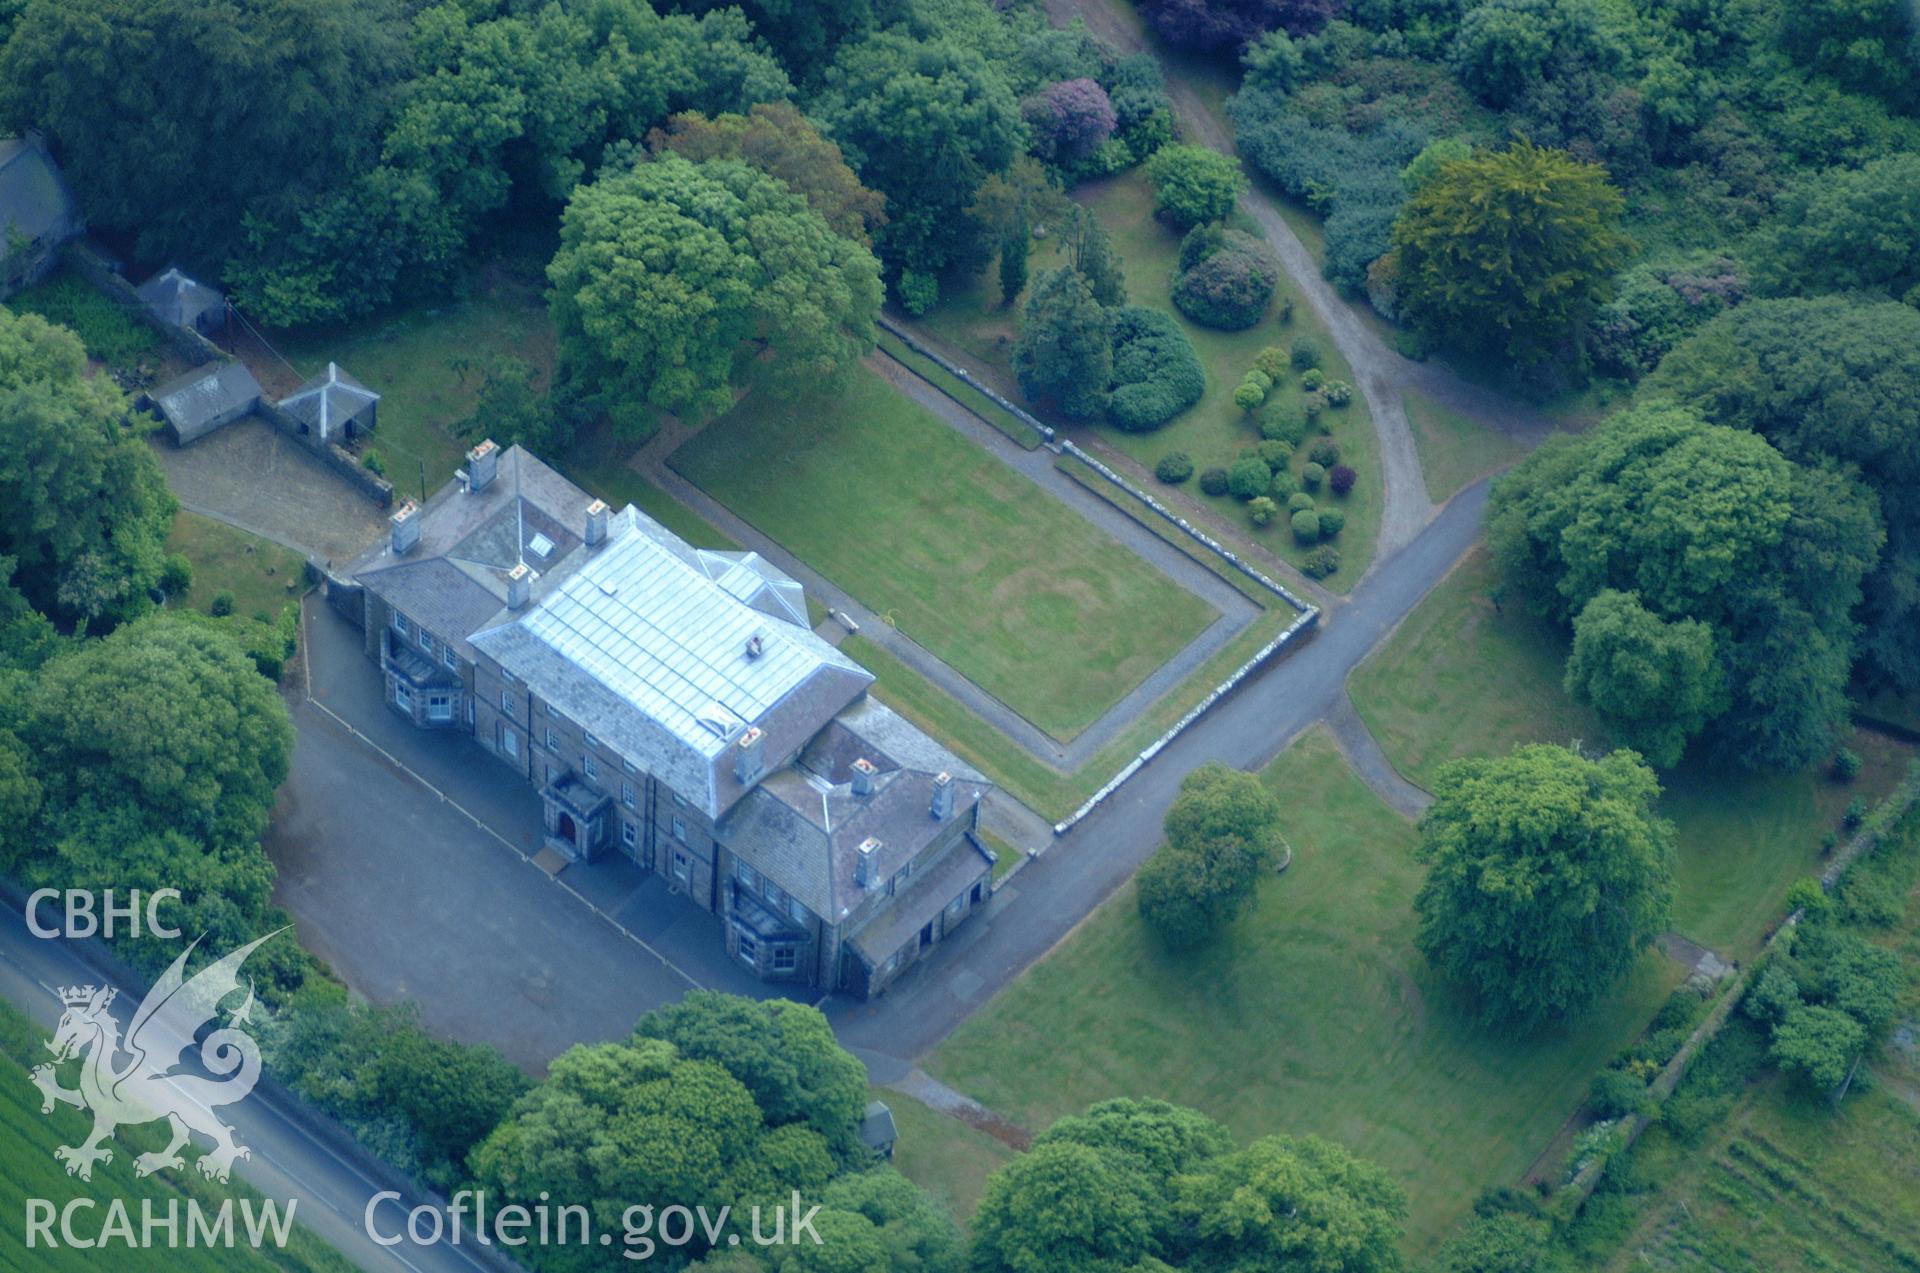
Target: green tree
[[87, 510], [781, 142], [1548, 875], [1287, 1202], [1094, 257], [1062, 1208], [804, 35], [1503, 1243], [1222, 832], [1509, 251], [914, 1231], [1193, 185], [1817, 1044], [1014, 250], [1161, 1140], [784, 1053], [455, 1094], [924, 122], [1845, 230], [1504, 47], [1064, 352], [665, 271], [1653, 683], [204, 753], [510, 409]]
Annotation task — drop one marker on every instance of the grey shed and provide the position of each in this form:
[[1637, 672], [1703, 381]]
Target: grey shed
[[333, 405], [205, 399], [184, 302]]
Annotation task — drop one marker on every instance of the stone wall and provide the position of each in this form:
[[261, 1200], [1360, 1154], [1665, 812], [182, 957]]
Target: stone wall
[[333, 455], [189, 345]]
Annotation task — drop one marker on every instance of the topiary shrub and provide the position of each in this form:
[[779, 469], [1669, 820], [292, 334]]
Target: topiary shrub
[[222, 604], [1332, 522], [1156, 374], [1286, 484], [1339, 393], [1248, 396], [1299, 502], [1174, 468], [1341, 478], [1312, 378], [1325, 453], [1306, 526], [1230, 287], [1276, 454], [1215, 481], [1272, 361], [1846, 762], [1284, 422], [1305, 353], [918, 292], [1321, 562], [1261, 378], [1249, 477], [1311, 475], [1262, 510]]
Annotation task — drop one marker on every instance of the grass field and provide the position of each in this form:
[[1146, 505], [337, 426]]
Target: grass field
[[1013, 590], [1461, 678], [1454, 449], [225, 559], [1313, 1013], [942, 1155], [427, 363], [31, 1171]]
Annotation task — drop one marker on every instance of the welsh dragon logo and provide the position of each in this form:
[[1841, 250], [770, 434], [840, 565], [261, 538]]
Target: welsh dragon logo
[[146, 1087]]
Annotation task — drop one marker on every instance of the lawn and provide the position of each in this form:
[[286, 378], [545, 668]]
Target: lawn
[[1461, 678], [942, 1155], [1454, 449], [427, 363], [31, 1171], [1312, 1014], [262, 575], [1009, 587]]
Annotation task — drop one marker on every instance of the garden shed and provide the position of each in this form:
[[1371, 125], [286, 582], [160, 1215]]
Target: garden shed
[[184, 302], [332, 406], [205, 399]]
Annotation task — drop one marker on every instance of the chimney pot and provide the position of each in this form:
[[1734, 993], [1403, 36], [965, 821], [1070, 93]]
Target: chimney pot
[[519, 586], [596, 522], [405, 524], [751, 755], [863, 772], [483, 463], [942, 797], [866, 867]]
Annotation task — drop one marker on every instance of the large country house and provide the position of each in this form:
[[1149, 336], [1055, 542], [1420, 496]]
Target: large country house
[[670, 703]]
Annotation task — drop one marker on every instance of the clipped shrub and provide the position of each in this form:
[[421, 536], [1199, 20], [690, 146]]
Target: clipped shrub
[[1341, 478], [1856, 813], [1261, 378], [1321, 562], [1313, 404], [222, 604], [918, 292], [1248, 396], [176, 576], [1200, 243], [1249, 477], [1271, 362], [1275, 453], [1325, 453], [1286, 484], [1283, 422], [1306, 526], [1311, 475], [1299, 501], [1286, 310], [1215, 481], [1616, 1093], [1228, 289], [1332, 522], [1339, 392], [1262, 510], [1846, 761], [372, 462], [1312, 379], [1174, 468], [1156, 374], [1305, 353]]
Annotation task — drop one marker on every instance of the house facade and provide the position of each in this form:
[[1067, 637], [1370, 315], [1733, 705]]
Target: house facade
[[671, 704]]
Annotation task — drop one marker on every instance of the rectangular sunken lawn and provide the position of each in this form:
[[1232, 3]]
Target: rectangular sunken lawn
[[1013, 590]]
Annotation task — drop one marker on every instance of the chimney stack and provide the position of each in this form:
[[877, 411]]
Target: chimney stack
[[942, 797], [863, 772], [750, 756], [519, 586], [406, 527], [596, 523], [868, 863], [483, 464]]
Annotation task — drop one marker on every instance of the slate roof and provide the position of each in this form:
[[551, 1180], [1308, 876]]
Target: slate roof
[[328, 400], [34, 199], [178, 299], [803, 826], [206, 392], [920, 902]]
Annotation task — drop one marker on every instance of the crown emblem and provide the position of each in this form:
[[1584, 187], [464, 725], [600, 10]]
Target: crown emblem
[[77, 996]]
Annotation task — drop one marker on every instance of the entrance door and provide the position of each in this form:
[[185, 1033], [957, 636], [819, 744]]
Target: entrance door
[[567, 831], [926, 937]]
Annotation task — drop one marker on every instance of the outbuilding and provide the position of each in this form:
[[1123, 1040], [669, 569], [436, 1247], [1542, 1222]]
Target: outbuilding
[[204, 399], [37, 212], [184, 302]]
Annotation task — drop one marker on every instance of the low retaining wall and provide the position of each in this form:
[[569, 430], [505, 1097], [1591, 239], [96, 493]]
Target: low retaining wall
[[967, 377], [190, 345], [334, 456]]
